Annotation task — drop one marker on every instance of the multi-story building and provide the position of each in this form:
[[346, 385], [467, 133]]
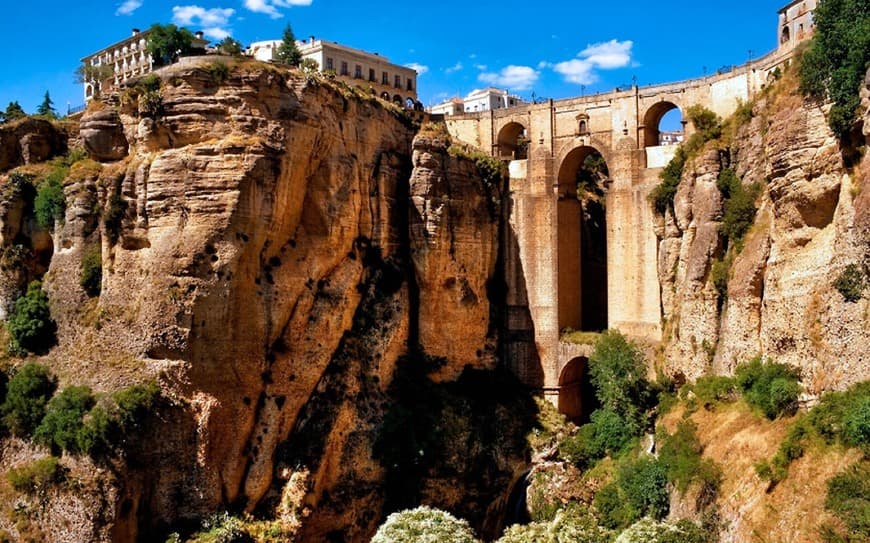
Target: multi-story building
[[478, 100], [128, 58], [454, 106], [795, 23], [490, 98], [367, 70]]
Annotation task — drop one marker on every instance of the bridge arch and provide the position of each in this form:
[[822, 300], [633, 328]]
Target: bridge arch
[[652, 120], [576, 395], [513, 141], [583, 180]]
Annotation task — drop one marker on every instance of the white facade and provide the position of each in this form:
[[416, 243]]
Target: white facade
[[489, 99], [795, 23], [454, 106], [128, 58], [368, 70]]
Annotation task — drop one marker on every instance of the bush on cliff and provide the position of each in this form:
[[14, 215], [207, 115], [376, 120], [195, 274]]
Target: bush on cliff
[[50, 203], [424, 525], [63, 425], [618, 373], [30, 325], [91, 279], [573, 523], [834, 65], [770, 387], [28, 392], [639, 490]]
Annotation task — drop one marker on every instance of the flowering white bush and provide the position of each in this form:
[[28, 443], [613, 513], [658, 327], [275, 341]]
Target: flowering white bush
[[571, 525], [424, 525]]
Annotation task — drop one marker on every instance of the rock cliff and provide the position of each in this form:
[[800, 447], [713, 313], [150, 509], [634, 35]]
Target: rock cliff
[[810, 225], [274, 248]]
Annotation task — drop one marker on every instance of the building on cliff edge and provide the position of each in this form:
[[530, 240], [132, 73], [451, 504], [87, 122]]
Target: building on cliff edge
[[369, 71], [128, 58], [488, 99]]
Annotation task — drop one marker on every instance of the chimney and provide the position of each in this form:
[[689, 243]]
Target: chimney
[[199, 35], [135, 31]]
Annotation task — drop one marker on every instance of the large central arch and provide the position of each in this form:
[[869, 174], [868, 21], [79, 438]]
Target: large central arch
[[582, 240], [652, 119]]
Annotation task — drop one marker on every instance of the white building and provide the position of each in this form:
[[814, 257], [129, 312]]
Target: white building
[[796, 23], [128, 58], [454, 106], [368, 70], [488, 99]]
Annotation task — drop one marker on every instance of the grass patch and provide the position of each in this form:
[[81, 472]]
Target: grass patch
[[848, 499], [36, 476], [580, 338]]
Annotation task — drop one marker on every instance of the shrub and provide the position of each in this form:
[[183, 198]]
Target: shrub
[[63, 426], [851, 283], [50, 203], [573, 523], [92, 271], [28, 392], [662, 196], [773, 388], [640, 490], [222, 528], [424, 525], [680, 454], [844, 416], [739, 213], [606, 434], [713, 389], [135, 404], [113, 217], [848, 499], [36, 476], [618, 373], [30, 325], [719, 275], [648, 530], [835, 63], [218, 72]]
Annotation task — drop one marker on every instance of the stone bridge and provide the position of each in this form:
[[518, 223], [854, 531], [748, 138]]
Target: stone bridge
[[593, 265]]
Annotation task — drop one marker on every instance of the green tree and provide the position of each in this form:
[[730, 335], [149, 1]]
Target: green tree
[[771, 387], [95, 75], [28, 392], [50, 203], [229, 46], [168, 42], [46, 108], [288, 53], [835, 63], [63, 425], [618, 373], [13, 111], [30, 323]]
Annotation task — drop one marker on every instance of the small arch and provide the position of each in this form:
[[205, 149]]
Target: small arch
[[397, 99], [513, 142], [409, 103], [785, 35], [385, 96], [576, 395], [652, 123]]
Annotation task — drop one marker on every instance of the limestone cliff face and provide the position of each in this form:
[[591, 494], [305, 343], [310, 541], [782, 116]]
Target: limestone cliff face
[[780, 300], [272, 245]]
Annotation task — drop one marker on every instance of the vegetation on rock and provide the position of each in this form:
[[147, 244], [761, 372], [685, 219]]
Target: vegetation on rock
[[848, 498], [167, 42], [770, 387], [36, 476], [63, 426], [30, 325], [851, 283], [28, 392], [91, 279], [424, 525], [834, 65]]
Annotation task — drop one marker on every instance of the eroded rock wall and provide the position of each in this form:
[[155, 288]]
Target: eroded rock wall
[[780, 302]]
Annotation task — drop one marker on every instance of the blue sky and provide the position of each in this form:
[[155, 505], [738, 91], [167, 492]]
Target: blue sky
[[552, 49]]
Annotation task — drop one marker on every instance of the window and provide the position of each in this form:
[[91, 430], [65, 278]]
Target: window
[[410, 84], [330, 65], [398, 82], [372, 75], [344, 68], [357, 72], [385, 78]]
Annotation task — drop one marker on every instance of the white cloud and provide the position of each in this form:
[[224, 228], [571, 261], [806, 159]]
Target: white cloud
[[455, 68], [128, 7], [512, 77], [196, 15], [270, 7], [216, 33], [480, 67], [597, 56], [419, 68], [608, 55]]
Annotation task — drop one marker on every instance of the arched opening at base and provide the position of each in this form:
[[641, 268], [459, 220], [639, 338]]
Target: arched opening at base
[[583, 181], [577, 397]]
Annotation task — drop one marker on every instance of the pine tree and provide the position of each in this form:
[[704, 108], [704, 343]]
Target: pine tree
[[13, 111], [288, 53], [46, 108]]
